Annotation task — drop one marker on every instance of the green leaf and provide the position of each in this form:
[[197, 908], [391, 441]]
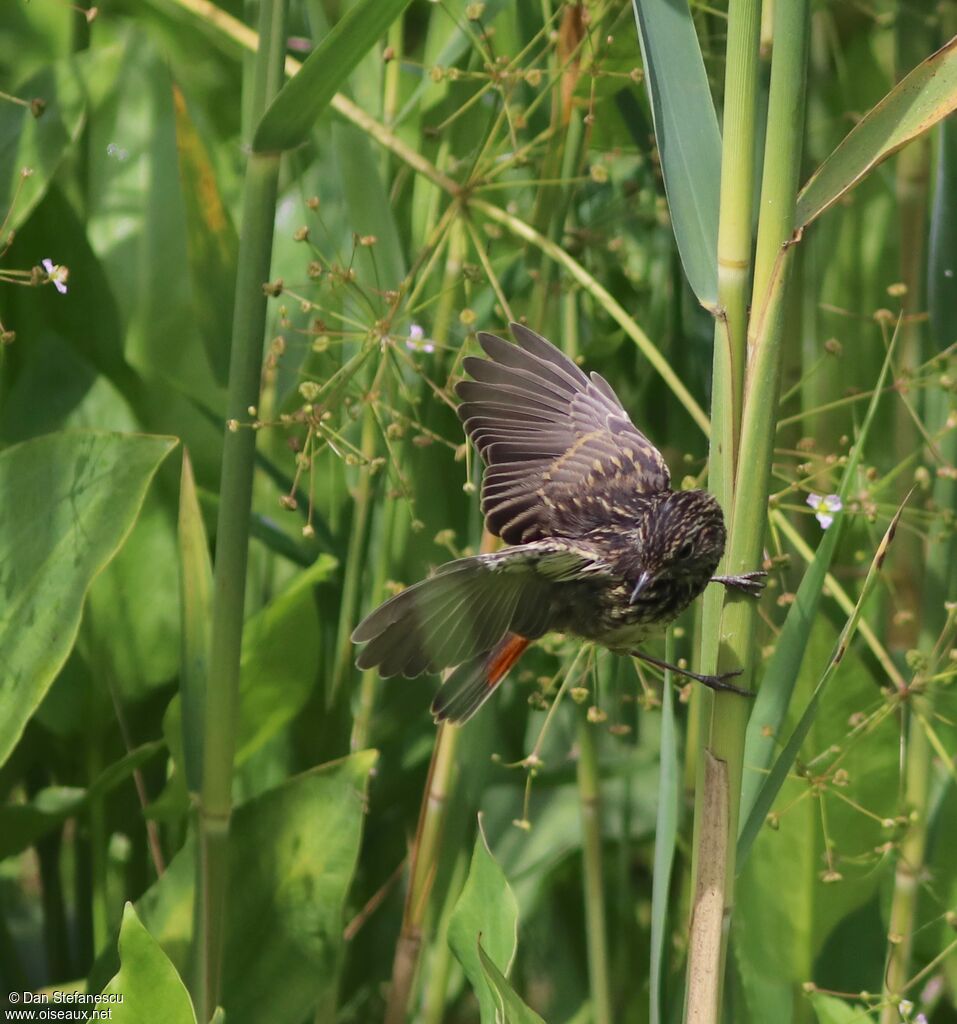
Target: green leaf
[[131, 623], [196, 599], [38, 143], [511, 1007], [831, 1010], [89, 488], [295, 110], [686, 130], [211, 243], [927, 95], [280, 659], [778, 679], [771, 971], [293, 852], [488, 911], [150, 989], [137, 221], [772, 783]]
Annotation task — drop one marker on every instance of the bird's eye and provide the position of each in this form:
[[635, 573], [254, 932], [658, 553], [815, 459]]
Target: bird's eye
[[686, 550]]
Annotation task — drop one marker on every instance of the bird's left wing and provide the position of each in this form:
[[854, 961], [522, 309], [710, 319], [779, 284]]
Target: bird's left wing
[[547, 432], [469, 605]]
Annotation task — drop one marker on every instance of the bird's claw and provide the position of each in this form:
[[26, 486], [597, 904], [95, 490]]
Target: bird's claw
[[750, 583], [720, 682]]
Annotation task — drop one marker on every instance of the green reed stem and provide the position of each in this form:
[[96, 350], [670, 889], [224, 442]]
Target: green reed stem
[[424, 858], [441, 959], [355, 560], [719, 786], [422, 868], [939, 582], [596, 931], [232, 534], [369, 685]]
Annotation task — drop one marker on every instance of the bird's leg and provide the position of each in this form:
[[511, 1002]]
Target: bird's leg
[[719, 682], [750, 583]]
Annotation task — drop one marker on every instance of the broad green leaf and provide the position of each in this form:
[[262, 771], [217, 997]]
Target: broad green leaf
[[511, 1006], [831, 1010], [70, 502], [370, 211], [137, 222], [38, 143], [293, 851], [486, 914], [778, 679], [772, 783], [927, 95], [150, 989], [686, 130], [131, 624], [280, 660], [771, 972], [211, 243], [196, 599], [296, 109]]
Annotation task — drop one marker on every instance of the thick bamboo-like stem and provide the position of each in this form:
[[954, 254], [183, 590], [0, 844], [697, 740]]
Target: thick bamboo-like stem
[[596, 931], [423, 859], [734, 272], [720, 780], [423, 864], [232, 534]]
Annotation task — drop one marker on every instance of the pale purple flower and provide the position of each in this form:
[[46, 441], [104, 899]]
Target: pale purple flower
[[57, 274], [824, 507], [417, 341]]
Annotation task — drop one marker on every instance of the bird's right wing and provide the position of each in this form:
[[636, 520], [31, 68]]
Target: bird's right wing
[[546, 431], [469, 605]]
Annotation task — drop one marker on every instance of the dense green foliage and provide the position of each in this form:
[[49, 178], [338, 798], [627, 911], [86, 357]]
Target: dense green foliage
[[479, 162]]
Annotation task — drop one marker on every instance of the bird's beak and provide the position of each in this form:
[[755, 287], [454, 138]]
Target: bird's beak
[[644, 580]]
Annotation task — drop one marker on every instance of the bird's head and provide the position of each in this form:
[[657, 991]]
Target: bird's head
[[682, 541]]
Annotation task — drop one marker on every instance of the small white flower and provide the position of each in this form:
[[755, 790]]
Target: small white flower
[[905, 1008], [824, 507], [57, 274], [417, 341]]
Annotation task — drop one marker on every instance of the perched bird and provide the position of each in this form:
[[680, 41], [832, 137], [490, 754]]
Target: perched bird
[[601, 547]]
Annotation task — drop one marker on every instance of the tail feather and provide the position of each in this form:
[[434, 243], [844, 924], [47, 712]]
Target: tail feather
[[472, 683]]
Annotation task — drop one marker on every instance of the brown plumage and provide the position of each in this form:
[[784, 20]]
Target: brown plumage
[[602, 548]]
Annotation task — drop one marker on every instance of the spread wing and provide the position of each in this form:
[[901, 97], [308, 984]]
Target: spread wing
[[546, 431], [469, 605]]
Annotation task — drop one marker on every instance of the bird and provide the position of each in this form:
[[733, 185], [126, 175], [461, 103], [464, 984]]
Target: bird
[[599, 546]]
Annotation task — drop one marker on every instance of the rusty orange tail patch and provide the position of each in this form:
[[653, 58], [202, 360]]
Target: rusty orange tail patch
[[510, 648]]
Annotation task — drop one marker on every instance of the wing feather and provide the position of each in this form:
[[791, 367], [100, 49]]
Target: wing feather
[[546, 430], [469, 605]]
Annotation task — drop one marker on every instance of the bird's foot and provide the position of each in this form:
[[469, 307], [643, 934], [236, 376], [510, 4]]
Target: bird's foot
[[714, 682], [750, 583]]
